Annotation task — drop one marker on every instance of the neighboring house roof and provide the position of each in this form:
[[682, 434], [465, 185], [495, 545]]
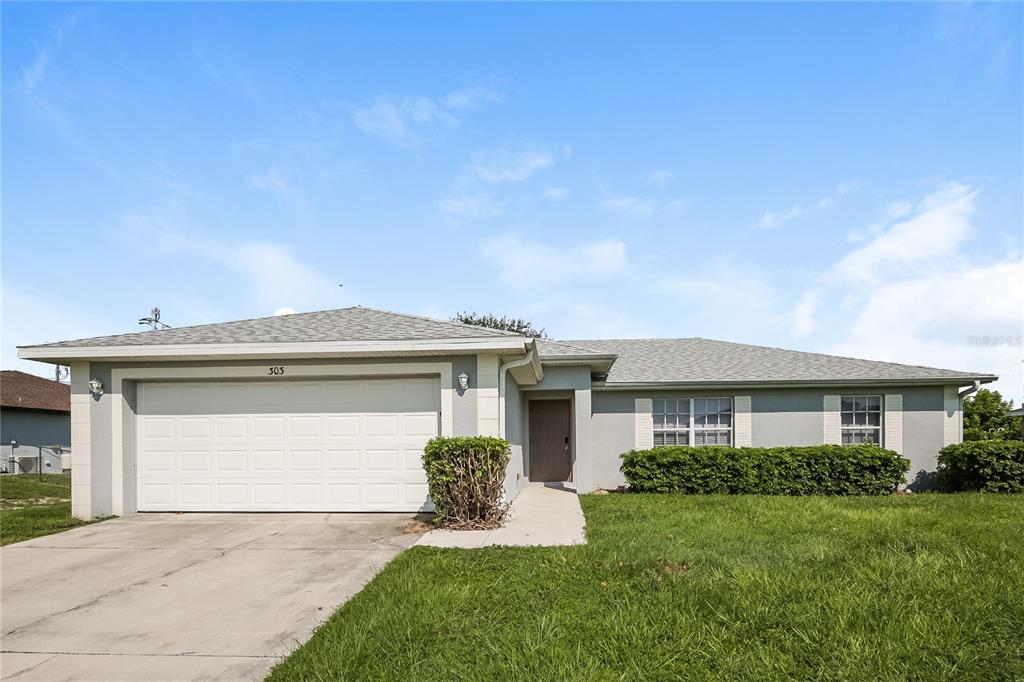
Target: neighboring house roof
[[28, 392], [698, 361], [1019, 412], [344, 324]]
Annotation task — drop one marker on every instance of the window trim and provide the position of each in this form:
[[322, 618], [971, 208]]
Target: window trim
[[691, 428], [862, 427]]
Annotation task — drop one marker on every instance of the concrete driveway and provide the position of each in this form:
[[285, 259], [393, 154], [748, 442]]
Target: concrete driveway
[[186, 596]]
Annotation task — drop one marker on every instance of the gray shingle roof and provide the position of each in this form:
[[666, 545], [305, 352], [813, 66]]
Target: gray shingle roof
[[344, 324], [706, 361], [553, 349]]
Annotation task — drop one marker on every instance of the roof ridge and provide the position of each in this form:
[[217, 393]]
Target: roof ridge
[[568, 344], [451, 323]]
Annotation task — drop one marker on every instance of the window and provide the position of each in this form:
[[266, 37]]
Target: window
[[692, 421], [861, 419], [712, 421], [671, 421]]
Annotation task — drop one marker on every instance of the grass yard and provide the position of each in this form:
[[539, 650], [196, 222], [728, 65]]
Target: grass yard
[[929, 587], [30, 508]]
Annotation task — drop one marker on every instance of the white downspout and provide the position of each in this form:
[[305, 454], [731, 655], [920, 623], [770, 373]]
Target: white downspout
[[505, 367]]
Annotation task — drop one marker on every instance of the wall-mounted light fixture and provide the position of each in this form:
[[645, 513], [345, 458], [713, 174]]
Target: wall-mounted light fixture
[[463, 381], [96, 387]]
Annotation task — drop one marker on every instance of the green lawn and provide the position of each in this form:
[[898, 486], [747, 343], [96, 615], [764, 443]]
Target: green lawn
[[677, 587], [30, 507]]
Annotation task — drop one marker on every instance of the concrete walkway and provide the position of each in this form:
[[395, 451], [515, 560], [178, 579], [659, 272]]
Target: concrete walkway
[[182, 597], [541, 516]]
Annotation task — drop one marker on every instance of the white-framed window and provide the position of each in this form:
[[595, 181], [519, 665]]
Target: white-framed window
[[861, 419], [692, 421], [671, 421]]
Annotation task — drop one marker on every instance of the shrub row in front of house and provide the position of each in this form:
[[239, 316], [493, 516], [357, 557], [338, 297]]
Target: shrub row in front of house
[[813, 470], [991, 466]]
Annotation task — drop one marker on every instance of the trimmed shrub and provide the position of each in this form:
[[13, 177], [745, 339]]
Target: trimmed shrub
[[991, 466], [466, 476], [814, 470]]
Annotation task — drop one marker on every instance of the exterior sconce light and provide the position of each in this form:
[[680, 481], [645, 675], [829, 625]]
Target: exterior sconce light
[[463, 381], [96, 387]]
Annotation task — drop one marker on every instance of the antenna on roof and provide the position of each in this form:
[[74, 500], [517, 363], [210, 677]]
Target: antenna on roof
[[154, 320]]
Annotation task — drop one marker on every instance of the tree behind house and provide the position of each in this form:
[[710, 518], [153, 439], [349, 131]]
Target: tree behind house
[[985, 417], [509, 324]]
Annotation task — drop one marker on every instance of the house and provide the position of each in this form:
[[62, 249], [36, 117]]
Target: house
[[329, 410], [34, 410]]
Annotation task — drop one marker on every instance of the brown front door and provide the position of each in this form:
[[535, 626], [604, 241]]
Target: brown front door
[[550, 457]]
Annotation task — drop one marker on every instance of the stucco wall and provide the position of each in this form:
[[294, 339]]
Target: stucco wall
[[34, 427], [778, 417], [514, 434]]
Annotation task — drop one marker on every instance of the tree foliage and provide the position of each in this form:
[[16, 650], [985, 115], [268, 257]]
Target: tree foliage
[[509, 324], [985, 417]]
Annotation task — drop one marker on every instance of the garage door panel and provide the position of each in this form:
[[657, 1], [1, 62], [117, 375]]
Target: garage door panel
[[340, 445]]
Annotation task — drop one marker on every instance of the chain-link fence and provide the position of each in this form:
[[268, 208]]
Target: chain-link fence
[[34, 459]]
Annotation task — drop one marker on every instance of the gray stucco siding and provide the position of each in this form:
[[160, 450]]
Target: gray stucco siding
[[778, 417]]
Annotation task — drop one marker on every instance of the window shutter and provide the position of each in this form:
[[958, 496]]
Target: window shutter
[[893, 426], [644, 436], [833, 430], [741, 413]]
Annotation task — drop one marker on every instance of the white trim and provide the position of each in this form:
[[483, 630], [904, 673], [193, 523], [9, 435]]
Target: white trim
[[643, 437], [893, 418], [119, 405], [952, 419], [81, 442], [261, 350], [832, 426], [742, 431], [488, 405]]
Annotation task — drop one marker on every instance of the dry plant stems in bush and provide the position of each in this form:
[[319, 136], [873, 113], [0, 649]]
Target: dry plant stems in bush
[[466, 477]]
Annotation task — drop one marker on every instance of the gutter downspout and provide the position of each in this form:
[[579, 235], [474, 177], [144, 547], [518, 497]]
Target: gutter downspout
[[502, 371], [969, 390]]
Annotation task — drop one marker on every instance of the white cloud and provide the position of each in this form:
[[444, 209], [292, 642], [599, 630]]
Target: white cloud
[[531, 264], [33, 74], [556, 193], [272, 179], [271, 270], [402, 120], [940, 224], [803, 313], [473, 98], [912, 293], [511, 165], [661, 178], [774, 219], [467, 206], [639, 208], [893, 211], [285, 311]]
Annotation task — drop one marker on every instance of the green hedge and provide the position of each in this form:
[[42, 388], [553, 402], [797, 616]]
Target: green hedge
[[992, 466], [815, 470], [466, 476]]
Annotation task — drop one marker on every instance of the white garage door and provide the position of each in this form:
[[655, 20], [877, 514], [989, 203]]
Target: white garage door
[[338, 445]]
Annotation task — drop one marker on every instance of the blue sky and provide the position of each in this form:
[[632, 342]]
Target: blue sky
[[831, 177]]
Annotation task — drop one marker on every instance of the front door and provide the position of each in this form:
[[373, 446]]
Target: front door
[[550, 456]]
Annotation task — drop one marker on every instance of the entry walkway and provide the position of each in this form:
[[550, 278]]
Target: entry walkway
[[543, 515]]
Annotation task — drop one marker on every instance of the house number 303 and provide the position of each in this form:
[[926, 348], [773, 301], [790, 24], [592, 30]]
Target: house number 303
[[275, 371]]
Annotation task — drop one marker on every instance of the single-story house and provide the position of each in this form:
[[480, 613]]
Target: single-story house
[[329, 411], [34, 410]]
